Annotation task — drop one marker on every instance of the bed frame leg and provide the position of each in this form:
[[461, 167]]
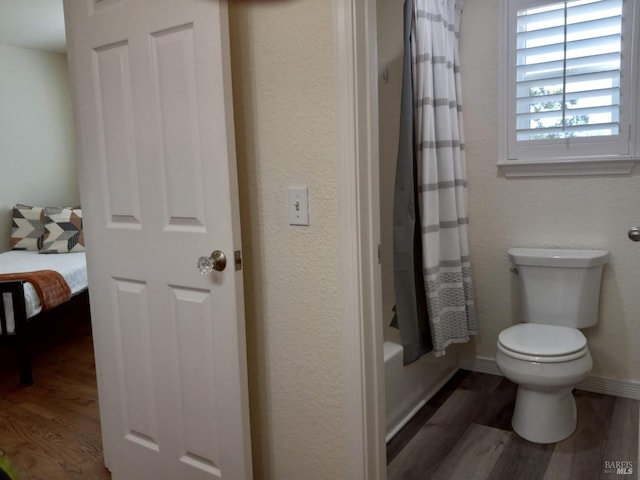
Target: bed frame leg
[[19, 337], [26, 378], [24, 364]]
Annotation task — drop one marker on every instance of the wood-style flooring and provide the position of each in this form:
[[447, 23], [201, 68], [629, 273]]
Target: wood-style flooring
[[51, 430], [464, 433]]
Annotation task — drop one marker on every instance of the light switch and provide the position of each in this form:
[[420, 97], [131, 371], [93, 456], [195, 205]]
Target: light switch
[[298, 206]]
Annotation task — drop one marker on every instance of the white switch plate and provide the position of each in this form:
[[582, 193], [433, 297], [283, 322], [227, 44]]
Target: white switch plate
[[298, 206]]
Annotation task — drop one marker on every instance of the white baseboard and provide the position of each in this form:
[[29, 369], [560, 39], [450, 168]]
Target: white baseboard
[[480, 364], [606, 386]]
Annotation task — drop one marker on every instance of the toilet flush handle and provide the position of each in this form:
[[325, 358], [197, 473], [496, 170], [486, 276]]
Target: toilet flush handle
[[634, 234]]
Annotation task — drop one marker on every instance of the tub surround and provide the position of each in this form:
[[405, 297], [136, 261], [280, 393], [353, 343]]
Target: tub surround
[[408, 388]]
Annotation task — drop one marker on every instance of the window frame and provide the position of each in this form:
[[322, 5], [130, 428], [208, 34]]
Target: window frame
[[586, 156]]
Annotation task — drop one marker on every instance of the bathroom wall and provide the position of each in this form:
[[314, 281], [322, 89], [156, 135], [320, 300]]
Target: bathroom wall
[[282, 66], [571, 212], [37, 156]]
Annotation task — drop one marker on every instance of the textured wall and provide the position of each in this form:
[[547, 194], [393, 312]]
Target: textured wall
[[36, 133], [571, 212], [282, 65]]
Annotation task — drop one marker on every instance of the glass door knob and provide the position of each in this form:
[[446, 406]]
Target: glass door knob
[[217, 261]]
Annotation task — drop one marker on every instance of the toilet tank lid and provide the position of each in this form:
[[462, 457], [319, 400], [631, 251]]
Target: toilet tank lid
[[555, 257]]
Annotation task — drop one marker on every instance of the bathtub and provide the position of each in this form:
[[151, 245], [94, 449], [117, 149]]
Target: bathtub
[[408, 388]]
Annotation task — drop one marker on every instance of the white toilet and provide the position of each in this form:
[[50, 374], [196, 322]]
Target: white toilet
[[547, 355]]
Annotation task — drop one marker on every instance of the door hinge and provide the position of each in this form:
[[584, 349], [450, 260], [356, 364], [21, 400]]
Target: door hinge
[[379, 254], [237, 255]]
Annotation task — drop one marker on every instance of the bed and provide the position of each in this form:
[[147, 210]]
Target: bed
[[20, 302], [46, 269]]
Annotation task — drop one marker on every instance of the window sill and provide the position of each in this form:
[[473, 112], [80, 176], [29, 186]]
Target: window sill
[[564, 167]]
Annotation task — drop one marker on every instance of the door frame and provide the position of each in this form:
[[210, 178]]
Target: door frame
[[356, 93]]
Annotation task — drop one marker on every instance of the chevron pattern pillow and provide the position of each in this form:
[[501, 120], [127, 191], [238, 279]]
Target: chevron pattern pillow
[[27, 228], [63, 227]]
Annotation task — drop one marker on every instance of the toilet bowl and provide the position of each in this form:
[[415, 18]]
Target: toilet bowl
[[547, 354], [546, 361]]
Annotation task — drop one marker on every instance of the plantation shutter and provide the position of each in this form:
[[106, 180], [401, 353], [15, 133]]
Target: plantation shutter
[[568, 63]]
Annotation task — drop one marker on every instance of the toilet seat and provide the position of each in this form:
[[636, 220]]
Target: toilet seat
[[534, 342]]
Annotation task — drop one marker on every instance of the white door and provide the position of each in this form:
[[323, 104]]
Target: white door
[[152, 102]]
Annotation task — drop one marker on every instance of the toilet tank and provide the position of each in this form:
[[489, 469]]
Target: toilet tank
[[559, 287]]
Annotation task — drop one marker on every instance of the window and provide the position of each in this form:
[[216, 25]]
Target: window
[[570, 86]]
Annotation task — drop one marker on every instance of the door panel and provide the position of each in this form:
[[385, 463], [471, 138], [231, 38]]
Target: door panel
[[176, 102], [132, 324], [114, 107], [195, 358]]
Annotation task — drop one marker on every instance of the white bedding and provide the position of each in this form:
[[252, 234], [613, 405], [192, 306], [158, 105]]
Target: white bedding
[[72, 266]]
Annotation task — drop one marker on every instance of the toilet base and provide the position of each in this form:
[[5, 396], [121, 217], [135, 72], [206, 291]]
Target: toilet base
[[544, 416]]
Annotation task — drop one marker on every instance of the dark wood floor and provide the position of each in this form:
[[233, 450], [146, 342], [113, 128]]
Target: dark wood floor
[[51, 430], [464, 433]]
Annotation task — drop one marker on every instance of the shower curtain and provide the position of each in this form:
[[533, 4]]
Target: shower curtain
[[432, 273]]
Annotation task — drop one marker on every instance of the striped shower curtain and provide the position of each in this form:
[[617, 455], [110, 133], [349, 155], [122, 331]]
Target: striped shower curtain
[[439, 180]]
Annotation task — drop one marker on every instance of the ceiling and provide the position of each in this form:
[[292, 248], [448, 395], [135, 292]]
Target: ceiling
[[37, 24]]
